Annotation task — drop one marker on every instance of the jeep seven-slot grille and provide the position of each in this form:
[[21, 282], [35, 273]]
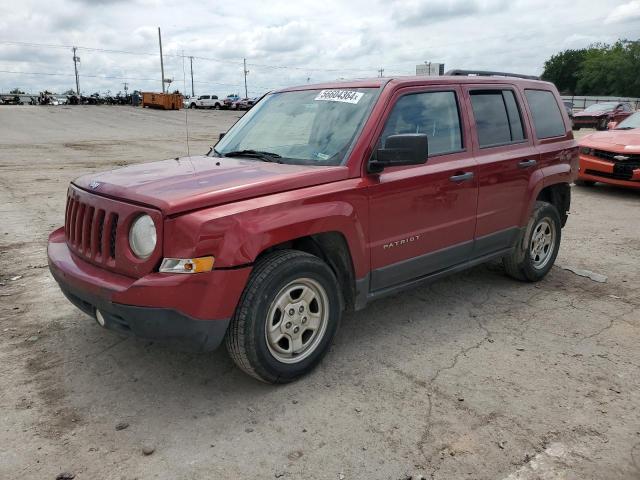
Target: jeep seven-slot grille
[[90, 231]]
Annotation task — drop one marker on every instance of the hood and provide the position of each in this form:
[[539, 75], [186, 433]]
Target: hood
[[592, 114], [620, 141], [189, 183]]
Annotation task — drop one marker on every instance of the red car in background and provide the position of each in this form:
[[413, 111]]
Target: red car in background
[[599, 115], [613, 156]]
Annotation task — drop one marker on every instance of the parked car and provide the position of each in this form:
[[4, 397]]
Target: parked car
[[320, 200], [568, 106], [599, 115], [230, 100], [11, 100], [612, 156], [206, 101], [243, 104]]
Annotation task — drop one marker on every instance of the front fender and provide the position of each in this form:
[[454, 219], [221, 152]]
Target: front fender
[[238, 232]]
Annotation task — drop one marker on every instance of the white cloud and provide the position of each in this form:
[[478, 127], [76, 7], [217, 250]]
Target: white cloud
[[287, 42], [624, 13]]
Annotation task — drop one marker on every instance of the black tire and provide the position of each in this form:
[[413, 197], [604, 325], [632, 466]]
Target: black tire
[[216, 106], [193, 105], [585, 183], [246, 338], [520, 264], [575, 128]]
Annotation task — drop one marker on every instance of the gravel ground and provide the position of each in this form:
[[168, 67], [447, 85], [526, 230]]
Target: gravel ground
[[475, 376]]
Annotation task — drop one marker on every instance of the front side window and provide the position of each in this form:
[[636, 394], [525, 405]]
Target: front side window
[[433, 113], [497, 116], [311, 127], [547, 118]]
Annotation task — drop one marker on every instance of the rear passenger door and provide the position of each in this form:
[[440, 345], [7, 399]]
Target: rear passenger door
[[506, 159]]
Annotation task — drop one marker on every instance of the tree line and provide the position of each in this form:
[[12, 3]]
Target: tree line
[[600, 69]]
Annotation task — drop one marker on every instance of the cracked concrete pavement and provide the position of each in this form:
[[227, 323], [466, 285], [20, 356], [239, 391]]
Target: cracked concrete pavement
[[475, 376]]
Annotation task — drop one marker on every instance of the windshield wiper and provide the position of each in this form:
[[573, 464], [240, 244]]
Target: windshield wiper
[[264, 156], [624, 128]]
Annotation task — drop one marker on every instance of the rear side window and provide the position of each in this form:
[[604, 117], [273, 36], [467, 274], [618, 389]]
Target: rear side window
[[433, 113], [547, 118], [497, 116]]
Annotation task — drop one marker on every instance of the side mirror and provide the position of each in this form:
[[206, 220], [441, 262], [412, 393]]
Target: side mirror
[[221, 135], [401, 149]]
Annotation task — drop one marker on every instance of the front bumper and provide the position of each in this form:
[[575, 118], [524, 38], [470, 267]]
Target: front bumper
[[595, 170], [192, 311]]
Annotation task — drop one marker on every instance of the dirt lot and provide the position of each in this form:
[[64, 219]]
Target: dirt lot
[[475, 376]]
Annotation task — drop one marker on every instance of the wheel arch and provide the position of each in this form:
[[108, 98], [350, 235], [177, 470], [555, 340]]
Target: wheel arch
[[332, 248], [558, 195]]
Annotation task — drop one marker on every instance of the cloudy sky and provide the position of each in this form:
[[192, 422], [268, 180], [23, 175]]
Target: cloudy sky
[[288, 42]]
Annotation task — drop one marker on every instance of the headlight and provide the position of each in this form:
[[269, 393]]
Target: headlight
[[142, 236], [586, 150]]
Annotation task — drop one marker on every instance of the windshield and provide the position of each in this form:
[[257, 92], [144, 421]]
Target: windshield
[[313, 127], [630, 122], [600, 107]]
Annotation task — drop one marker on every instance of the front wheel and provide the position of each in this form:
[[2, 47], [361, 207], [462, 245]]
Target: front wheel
[[537, 248], [193, 105], [286, 318]]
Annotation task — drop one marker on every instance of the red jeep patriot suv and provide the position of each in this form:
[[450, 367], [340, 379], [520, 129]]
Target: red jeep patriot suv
[[318, 200]]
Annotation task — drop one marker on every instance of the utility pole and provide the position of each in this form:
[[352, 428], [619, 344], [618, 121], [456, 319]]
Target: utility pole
[[161, 61], [381, 71], [126, 87], [76, 60], [192, 93], [246, 93]]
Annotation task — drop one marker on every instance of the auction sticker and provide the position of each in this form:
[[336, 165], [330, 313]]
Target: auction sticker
[[347, 96]]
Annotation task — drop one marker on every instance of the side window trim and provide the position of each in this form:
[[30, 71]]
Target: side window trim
[[461, 124], [501, 89]]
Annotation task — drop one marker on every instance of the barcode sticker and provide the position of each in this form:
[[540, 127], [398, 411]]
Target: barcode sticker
[[346, 96]]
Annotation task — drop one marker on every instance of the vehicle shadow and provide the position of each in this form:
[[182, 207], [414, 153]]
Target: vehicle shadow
[[109, 369], [610, 191]]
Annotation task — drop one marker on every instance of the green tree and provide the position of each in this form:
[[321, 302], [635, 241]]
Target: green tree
[[17, 91], [563, 68], [611, 70]]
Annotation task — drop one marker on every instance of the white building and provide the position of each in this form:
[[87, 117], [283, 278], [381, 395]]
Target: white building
[[431, 69]]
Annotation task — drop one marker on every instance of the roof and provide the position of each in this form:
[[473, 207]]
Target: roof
[[409, 81]]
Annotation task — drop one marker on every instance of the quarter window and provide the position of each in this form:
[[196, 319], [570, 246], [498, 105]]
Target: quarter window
[[433, 113], [498, 119], [547, 118]]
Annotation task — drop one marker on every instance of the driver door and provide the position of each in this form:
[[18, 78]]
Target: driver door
[[422, 218]]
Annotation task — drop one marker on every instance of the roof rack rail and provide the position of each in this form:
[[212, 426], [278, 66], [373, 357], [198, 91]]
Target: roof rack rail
[[483, 73]]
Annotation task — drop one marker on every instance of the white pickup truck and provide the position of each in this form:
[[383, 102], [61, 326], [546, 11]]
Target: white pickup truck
[[205, 101]]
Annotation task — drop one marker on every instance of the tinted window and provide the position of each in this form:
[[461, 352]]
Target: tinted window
[[204, 97], [433, 113], [515, 121], [497, 117], [547, 118]]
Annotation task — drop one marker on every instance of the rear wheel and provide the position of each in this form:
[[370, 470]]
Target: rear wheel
[[538, 245], [216, 106], [287, 317]]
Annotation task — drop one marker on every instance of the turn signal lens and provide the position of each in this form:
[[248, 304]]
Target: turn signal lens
[[187, 265]]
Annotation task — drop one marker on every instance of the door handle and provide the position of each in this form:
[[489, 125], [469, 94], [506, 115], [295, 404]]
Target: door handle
[[527, 163], [462, 177]]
